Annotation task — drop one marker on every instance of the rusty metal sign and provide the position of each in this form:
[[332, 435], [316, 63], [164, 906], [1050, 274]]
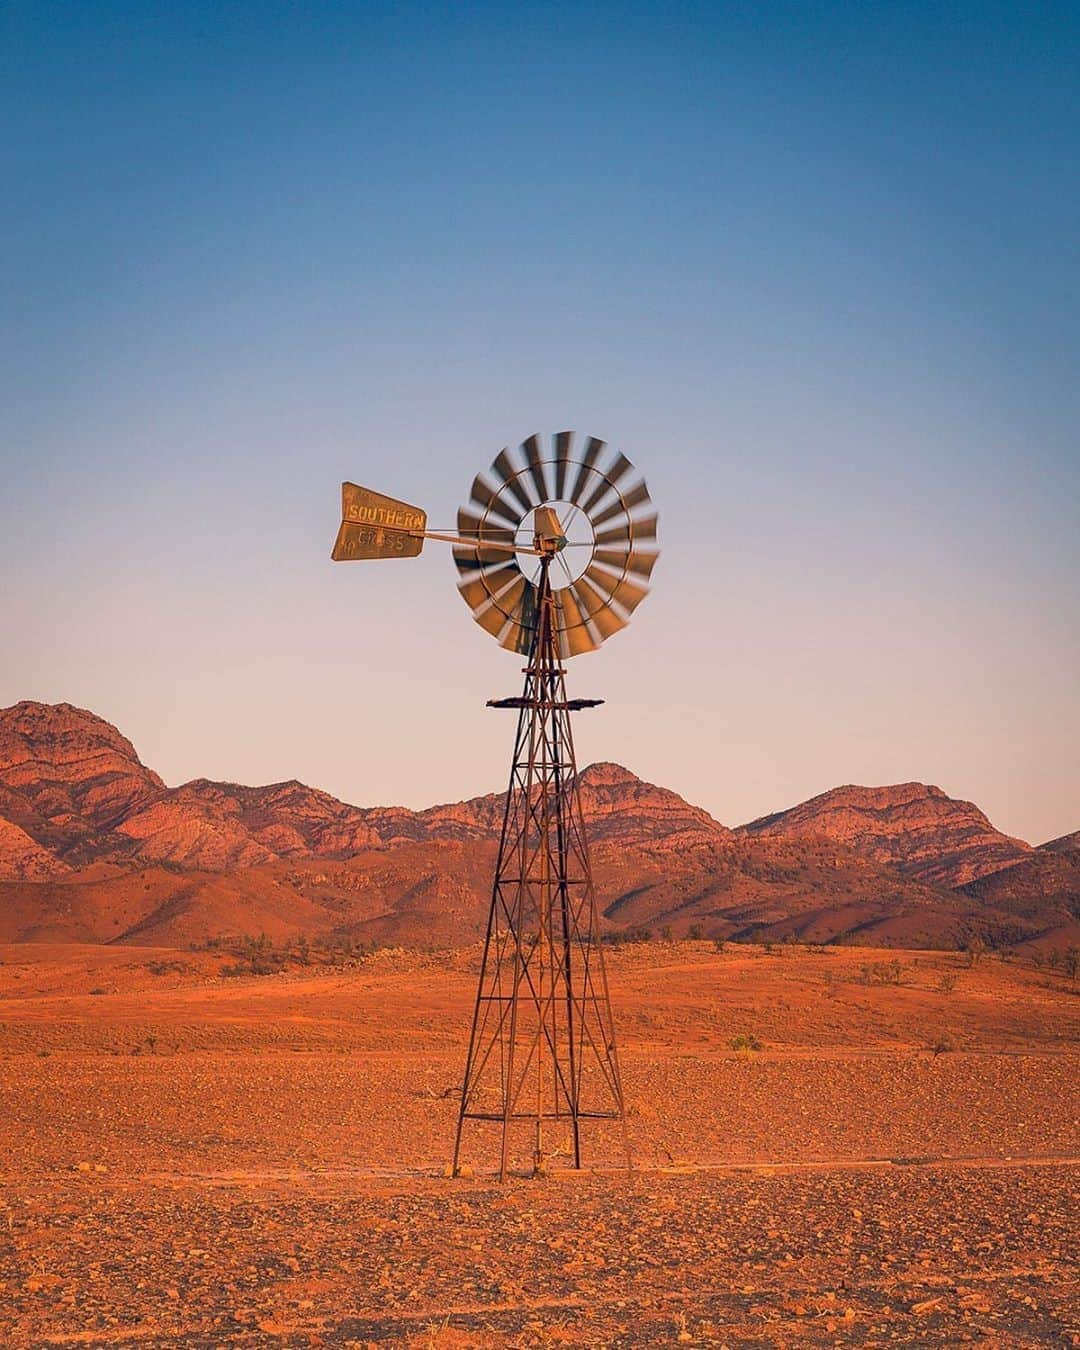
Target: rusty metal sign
[[374, 526]]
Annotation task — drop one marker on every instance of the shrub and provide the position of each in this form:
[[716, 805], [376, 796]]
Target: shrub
[[745, 1042], [165, 967], [258, 963], [882, 972], [636, 934]]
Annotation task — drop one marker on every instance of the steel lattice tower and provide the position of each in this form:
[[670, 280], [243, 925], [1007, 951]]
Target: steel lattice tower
[[542, 1047]]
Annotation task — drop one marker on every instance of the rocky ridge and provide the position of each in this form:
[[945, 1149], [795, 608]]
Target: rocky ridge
[[1068, 843], [94, 847], [914, 827], [68, 779], [74, 791], [1043, 888]]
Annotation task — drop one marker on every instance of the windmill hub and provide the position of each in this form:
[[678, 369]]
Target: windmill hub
[[548, 534], [558, 531]]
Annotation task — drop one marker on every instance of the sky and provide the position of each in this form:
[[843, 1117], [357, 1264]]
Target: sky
[[813, 267]]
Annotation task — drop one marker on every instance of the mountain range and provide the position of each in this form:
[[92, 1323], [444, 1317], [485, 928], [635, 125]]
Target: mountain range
[[95, 847]]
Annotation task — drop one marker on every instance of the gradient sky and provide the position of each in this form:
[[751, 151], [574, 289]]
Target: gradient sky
[[814, 268]]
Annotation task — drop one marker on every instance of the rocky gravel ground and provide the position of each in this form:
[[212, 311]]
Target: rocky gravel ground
[[871, 1256], [216, 1112], [195, 1162]]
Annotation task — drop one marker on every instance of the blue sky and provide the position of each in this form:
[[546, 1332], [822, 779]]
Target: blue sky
[[813, 267]]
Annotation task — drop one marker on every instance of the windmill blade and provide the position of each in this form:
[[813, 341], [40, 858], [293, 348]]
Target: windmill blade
[[502, 612], [469, 560], [564, 441], [518, 636], [504, 469], [601, 615], [488, 586], [530, 448], [478, 559], [574, 637], [624, 592], [609, 481], [472, 525], [589, 598], [628, 533], [623, 504], [492, 621], [641, 564], [487, 498], [567, 611], [593, 450], [575, 642], [607, 622], [509, 602]]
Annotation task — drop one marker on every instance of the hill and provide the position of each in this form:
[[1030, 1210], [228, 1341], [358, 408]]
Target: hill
[[914, 827], [1068, 843], [1041, 892], [94, 847]]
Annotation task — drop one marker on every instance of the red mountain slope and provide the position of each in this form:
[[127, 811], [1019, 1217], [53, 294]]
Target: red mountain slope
[[72, 784], [617, 805], [1068, 843], [67, 779], [1040, 894], [214, 826], [96, 848], [914, 827], [23, 856]]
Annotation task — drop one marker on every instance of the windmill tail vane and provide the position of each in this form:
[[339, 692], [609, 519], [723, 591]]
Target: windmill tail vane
[[377, 526], [554, 551]]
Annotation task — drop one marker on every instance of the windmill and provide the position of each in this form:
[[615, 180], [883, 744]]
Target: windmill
[[554, 551]]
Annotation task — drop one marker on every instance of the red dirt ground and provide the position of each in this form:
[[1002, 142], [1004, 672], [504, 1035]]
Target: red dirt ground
[[192, 1159]]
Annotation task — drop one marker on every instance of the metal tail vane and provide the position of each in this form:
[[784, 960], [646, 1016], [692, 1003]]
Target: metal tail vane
[[554, 551]]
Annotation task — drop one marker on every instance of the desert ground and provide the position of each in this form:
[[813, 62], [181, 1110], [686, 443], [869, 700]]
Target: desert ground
[[196, 1155]]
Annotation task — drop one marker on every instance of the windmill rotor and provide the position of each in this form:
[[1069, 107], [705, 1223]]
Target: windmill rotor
[[589, 522]]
